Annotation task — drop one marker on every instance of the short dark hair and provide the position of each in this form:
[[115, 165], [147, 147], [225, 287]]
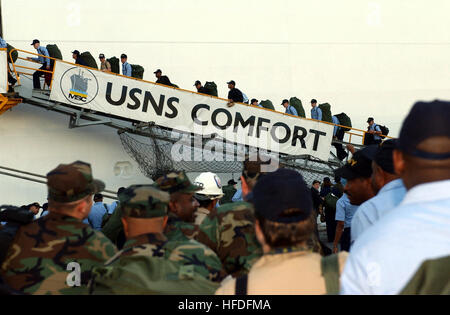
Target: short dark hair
[[316, 182], [120, 190], [279, 235], [313, 101], [98, 196]]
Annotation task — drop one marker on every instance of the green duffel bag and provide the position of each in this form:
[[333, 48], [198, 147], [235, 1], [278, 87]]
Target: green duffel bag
[[54, 51], [211, 89], [267, 104], [115, 64], [326, 112], [15, 53], [297, 104], [344, 120], [89, 60], [137, 71]]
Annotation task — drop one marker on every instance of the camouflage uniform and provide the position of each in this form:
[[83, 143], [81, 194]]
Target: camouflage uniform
[[229, 231], [146, 201], [38, 258]]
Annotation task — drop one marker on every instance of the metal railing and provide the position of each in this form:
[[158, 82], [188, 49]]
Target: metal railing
[[354, 132]]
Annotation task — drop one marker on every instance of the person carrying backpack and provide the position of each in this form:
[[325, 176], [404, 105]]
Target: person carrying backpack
[[374, 132], [284, 223]]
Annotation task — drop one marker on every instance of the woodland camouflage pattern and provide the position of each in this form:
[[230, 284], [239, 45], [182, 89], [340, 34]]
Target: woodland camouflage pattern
[[185, 253], [144, 201], [230, 231], [37, 259]]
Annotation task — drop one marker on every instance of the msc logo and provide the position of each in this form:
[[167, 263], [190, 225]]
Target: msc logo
[[79, 86]]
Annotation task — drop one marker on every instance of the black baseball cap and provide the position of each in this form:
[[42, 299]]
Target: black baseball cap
[[313, 100], [254, 100], [231, 82], [35, 41], [123, 56], [101, 56], [282, 196], [232, 182], [284, 101], [360, 165], [196, 82], [76, 52], [384, 155], [425, 120], [370, 119], [159, 70]]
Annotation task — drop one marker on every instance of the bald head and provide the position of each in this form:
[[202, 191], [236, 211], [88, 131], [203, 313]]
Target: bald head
[[415, 170]]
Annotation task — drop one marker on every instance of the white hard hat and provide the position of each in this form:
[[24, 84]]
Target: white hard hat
[[212, 186]]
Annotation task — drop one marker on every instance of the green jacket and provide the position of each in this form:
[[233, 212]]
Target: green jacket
[[228, 192], [432, 278]]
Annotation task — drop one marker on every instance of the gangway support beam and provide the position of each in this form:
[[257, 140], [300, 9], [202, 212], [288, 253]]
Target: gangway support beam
[[8, 101]]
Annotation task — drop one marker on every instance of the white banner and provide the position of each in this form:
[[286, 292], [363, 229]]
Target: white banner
[[3, 71], [189, 112]]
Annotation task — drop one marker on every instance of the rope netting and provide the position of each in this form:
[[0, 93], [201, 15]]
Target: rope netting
[[156, 155]]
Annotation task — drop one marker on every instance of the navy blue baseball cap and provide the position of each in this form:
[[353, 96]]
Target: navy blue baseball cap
[[282, 196], [360, 165], [425, 120], [384, 155]]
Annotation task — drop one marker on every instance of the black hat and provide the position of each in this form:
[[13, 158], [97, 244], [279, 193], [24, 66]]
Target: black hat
[[232, 182], [360, 165], [76, 52], [283, 197], [196, 82], [123, 56], [384, 155], [231, 82], [370, 119], [35, 204], [35, 41], [313, 100], [159, 70], [101, 56], [253, 100], [284, 101], [425, 120]]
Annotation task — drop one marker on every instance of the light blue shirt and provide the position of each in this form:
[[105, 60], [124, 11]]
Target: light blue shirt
[[375, 127], [291, 110], [373, 209], [42, 51], [345, 211], [244, 98], [337, 122], [112, 207], [237, 196], [389, 253], [95, 217], [3, 43], [126, 69], [316, 113]]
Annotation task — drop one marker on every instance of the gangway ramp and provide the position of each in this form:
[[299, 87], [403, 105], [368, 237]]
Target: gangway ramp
[[171, 116]]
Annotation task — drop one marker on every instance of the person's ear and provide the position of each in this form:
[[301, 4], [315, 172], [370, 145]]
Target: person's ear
[[399, 162], [125, 226], [166, 218], [259, 233]]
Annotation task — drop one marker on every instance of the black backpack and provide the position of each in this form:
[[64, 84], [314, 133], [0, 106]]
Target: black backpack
[[384, 130]]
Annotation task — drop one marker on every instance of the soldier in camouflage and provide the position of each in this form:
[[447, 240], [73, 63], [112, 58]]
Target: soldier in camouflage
[[144, 209], [182, 206], [38, 259]]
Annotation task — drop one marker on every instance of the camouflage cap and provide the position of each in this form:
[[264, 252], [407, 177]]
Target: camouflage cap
[[144, 201], [176, 182], [72, 182]]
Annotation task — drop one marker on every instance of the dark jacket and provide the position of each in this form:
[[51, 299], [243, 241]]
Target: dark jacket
[[80, 61], [317, 201], [202, 90], [235, 95], [164, 80]]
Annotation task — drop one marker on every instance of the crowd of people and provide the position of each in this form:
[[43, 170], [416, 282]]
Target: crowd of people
[[374, 133], [387, 215]]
